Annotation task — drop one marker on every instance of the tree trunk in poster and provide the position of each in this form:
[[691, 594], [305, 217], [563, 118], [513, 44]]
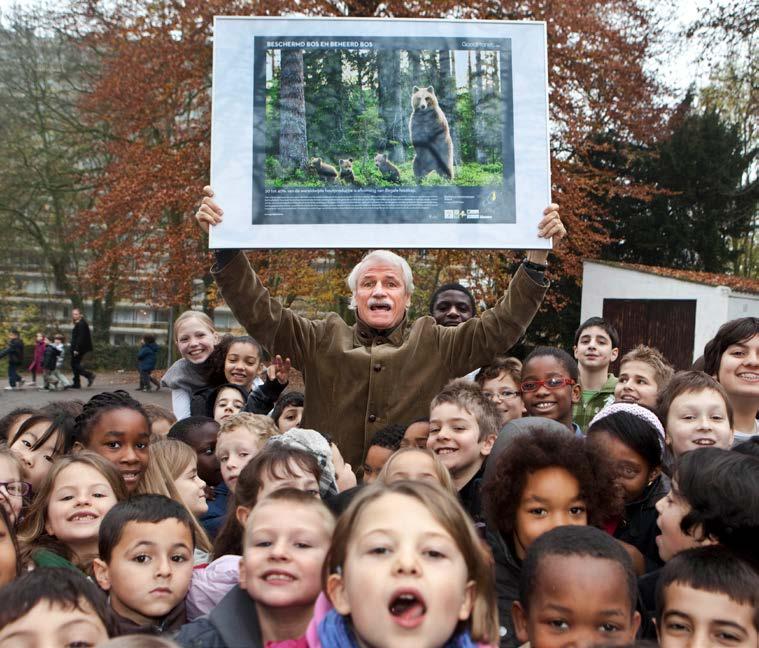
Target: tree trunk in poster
[[391, 111], [479, 107], [293, 149], [447, 99]]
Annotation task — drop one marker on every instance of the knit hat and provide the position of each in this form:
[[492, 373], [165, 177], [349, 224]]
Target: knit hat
[[636, 410], [314, 443]]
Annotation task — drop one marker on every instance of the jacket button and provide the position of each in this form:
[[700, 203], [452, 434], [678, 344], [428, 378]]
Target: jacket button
[[377, 366], [372, 418]]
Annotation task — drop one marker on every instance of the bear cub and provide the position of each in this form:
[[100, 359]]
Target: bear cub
[[346, 171], [325, 172], [430, 135], [388, 170]]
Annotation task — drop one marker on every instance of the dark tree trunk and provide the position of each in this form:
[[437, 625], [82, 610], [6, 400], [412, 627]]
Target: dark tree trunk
[[293, 149], [391, 110], [414, 67], [447, 99], [337, 99], [481, 154]]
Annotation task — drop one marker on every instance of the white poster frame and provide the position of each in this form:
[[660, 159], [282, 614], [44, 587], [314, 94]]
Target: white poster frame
[[233, 133]]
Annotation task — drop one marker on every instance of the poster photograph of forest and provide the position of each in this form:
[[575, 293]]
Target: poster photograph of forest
[[384, 129], [324, 132]]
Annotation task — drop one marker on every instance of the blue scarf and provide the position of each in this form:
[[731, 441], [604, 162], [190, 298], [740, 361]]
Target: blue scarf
[[335, 632]]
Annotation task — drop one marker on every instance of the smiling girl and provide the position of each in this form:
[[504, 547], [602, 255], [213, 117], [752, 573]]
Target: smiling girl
[[238, 360], [195, 336], [61, 528], [115, 426], [732, 358]]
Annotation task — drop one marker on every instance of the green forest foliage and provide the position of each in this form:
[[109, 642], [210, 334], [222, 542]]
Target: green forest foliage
[[343, 120]]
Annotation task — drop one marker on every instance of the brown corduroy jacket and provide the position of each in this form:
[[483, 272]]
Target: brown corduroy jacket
[[359, 380]]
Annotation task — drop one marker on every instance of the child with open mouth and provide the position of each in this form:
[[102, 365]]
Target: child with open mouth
[[406, 569]]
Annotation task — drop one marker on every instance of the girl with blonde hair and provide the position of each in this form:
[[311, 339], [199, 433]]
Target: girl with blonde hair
[[406, 568], [62, 524], [416, 464], [173, 471]]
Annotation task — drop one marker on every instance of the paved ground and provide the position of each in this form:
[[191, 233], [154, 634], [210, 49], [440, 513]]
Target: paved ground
[[128, 380]]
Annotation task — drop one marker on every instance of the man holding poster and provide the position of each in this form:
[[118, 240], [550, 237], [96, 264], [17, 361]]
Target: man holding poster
[[383, 369]]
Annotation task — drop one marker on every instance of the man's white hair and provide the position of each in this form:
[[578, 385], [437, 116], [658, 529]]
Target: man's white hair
[[383, 256]]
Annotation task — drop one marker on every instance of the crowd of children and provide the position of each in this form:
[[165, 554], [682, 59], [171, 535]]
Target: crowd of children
[[544, 501]]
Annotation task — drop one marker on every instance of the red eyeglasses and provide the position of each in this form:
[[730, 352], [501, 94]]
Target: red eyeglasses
[[551, 383]]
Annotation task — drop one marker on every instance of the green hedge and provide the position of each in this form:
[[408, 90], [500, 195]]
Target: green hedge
[[105, 357], [108, 357]]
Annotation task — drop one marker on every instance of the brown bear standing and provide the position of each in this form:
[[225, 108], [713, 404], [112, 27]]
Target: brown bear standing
[[430, 135]]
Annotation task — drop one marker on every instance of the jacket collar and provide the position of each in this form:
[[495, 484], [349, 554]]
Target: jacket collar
[[651, 494], [170, 623], [503, 554], [365, 335], [236, 619]]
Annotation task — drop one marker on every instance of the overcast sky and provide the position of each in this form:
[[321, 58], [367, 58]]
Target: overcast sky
[[676, 67]]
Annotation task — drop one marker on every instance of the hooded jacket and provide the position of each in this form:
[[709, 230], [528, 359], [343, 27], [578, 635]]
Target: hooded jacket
[[639, 528], [146, 356], [507, 573]]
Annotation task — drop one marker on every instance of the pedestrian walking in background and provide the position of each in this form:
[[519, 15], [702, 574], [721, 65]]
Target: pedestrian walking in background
[[81, 344], [15, 353], [39, 352], [49, 359], [146, 361], [59, 342]]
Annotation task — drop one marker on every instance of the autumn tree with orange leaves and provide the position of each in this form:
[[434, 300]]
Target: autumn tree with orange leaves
[[151, 89]]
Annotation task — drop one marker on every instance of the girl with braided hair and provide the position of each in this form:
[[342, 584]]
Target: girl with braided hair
[[115, 426]]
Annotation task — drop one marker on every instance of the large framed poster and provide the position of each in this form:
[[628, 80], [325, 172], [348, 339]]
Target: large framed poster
[[379, 133]]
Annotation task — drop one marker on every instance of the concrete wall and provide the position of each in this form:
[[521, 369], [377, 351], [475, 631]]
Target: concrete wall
[[714, 304], [743, 305]]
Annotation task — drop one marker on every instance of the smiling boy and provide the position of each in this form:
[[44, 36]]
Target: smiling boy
[[596, 347], [463, 429], [643, 373], [146, 546], [696, 412]]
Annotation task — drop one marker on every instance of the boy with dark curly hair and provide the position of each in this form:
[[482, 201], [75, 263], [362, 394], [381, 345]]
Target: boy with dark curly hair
[[383, 444], [541, 481]]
